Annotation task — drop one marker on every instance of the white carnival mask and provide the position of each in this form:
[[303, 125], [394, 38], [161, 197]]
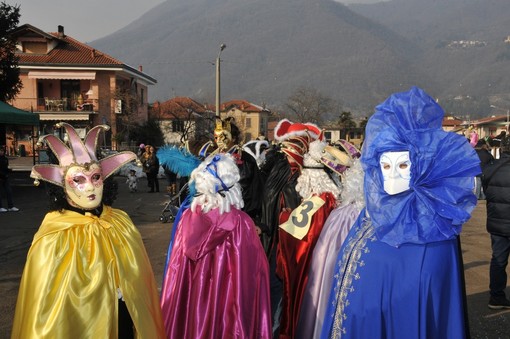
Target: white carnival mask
[[396, 171]]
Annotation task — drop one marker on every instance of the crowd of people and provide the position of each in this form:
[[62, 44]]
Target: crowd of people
[[297, 238]]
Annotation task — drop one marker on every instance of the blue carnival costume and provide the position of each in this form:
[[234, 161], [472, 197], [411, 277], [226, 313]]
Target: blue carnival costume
[[399, 272]]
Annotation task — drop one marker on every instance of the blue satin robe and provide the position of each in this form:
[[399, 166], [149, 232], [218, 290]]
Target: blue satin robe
[[382, 291]]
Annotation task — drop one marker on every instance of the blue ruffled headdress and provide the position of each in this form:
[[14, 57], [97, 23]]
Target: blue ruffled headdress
[[440, 198]]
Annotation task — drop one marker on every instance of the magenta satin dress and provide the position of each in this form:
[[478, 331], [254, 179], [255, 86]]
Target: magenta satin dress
[[217, 279]]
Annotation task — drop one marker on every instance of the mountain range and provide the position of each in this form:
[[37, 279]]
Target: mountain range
[[357, 55]]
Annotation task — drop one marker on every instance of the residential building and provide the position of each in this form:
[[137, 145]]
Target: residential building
[[66, 80], [251, 119], [452, 124], [490, 126], [354, 135], [183, 119]]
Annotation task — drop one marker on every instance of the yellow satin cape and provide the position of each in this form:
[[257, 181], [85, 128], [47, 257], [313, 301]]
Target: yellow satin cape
[[74, 268]]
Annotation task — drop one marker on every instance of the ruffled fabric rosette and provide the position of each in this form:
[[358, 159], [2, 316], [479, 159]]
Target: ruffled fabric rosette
[[443, 164]]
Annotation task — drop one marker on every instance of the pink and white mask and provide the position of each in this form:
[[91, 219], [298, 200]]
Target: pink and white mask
[[84, 186], [396, 171]]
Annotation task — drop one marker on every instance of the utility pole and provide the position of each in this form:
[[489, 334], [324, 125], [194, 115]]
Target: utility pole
[[218, 61]]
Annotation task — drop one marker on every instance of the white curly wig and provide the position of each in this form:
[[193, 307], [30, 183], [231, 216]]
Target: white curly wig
[[352, 180], [313, 178], [216, 182]]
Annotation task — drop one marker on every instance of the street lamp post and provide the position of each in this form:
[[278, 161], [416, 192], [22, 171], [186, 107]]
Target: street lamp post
[[507, 119], [218, 61]]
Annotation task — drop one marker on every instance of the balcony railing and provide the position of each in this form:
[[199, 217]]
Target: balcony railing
[[56, 105]]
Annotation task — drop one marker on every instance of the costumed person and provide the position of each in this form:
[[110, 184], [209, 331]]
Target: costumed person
[[228, 139], [217, 283], [399, 273], [281, 169], [343, 160], [473, 136], [299, 233], [257, 149], [87, 273]]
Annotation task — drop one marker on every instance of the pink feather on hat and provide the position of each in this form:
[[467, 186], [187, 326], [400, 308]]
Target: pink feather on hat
[[78, 152]]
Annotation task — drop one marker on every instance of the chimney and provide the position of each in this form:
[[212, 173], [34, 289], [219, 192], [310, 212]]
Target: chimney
[[140, 68], [93, 53], [61, 31]]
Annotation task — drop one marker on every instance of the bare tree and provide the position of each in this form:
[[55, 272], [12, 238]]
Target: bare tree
[[188, 119], [347, 123], [128, 104], [309, 105]]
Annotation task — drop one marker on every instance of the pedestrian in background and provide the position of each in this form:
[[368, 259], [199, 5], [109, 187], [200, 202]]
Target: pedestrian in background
[[171, 181], [141, 151], [151, 168], [496, 184], [482, 149], [4, 183]]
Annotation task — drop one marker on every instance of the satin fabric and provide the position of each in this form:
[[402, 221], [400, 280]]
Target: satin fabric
[[381, 291], [293, 262], [398, 273], [73, 270], [279, 193], [320, 276], [251, 183], [217, 281], [440, 198], [184, 206]]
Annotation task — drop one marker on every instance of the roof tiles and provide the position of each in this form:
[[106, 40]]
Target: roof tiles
[[69, 51]]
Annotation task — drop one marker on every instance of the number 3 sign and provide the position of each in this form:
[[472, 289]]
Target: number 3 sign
[[300, 219]]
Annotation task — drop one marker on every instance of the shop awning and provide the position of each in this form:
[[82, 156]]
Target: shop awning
[[11, 115], [67, 75], [64, 116]]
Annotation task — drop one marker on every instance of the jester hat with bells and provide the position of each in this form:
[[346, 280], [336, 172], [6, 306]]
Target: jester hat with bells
[[296, 137], [77, 153]]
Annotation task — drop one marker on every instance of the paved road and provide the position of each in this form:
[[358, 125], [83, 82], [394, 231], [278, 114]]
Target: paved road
[[17, 230]]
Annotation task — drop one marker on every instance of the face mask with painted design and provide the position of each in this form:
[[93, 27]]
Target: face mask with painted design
[[84, 186]]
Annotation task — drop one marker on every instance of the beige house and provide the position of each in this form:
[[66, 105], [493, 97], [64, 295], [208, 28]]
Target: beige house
[[490, 126], [66, 80], [182, 120], [452, 124], [251, 119]]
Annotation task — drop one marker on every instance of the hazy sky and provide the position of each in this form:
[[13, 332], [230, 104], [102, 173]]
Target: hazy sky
[[83, 20], [89, 20]]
